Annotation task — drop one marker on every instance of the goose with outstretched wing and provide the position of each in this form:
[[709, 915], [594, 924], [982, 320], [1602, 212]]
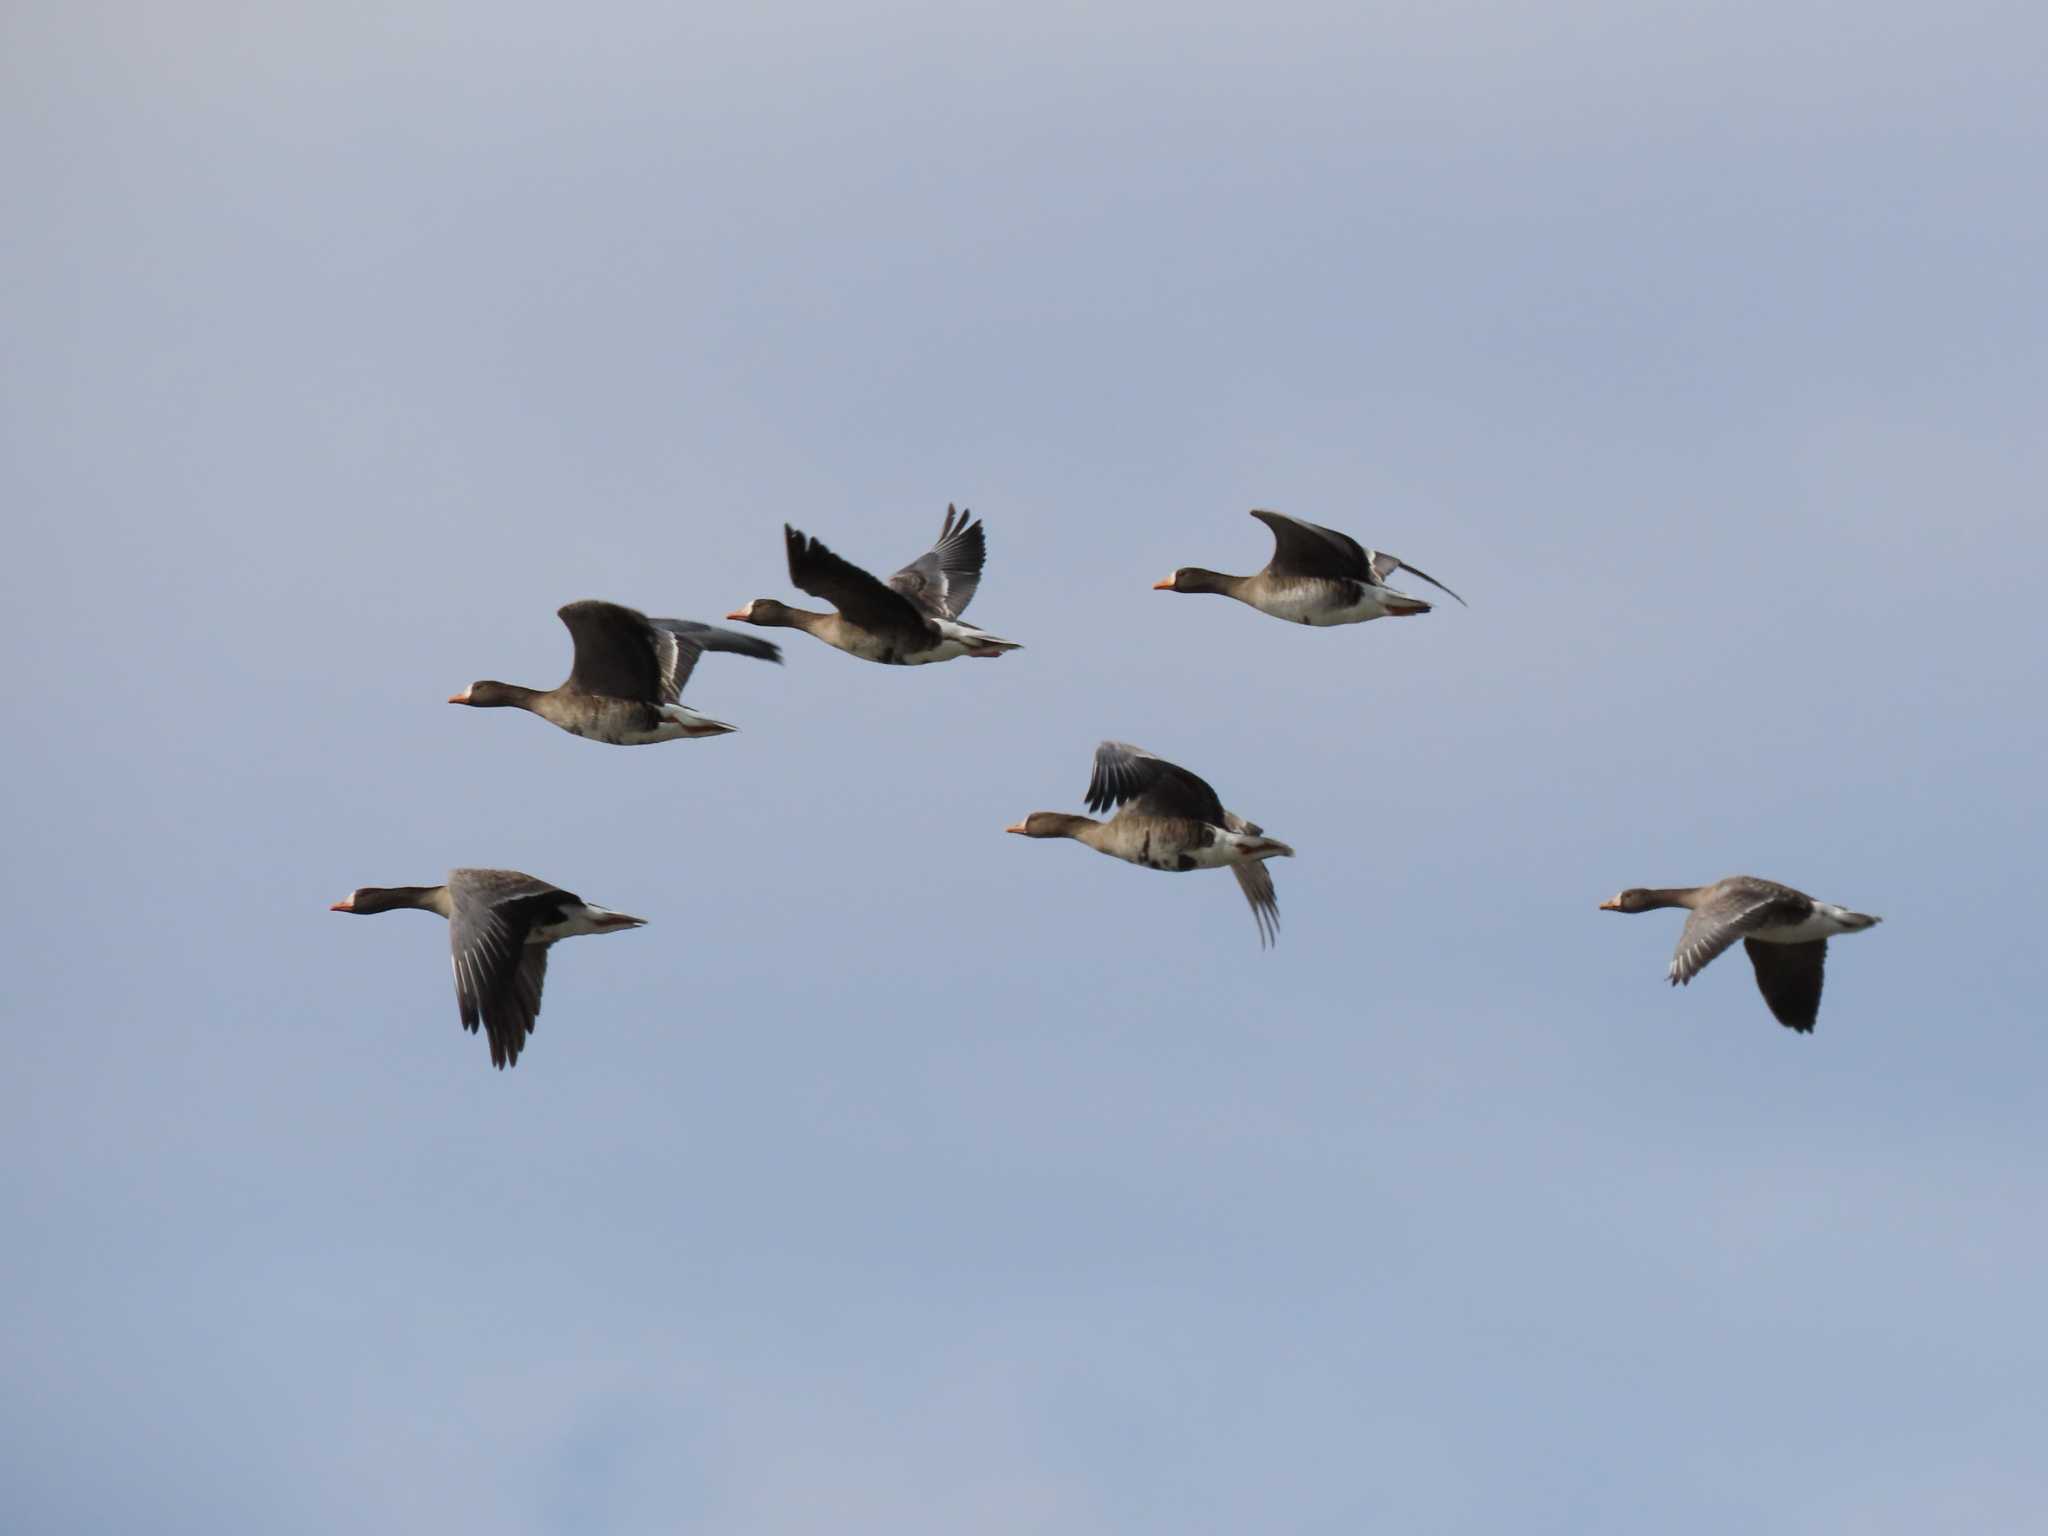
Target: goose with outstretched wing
[[500, 924], [909, 620], [625, 686], [1169, 819], [1317, 576], [1786, 933]]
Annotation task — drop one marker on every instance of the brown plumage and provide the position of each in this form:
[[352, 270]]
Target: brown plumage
[[1317, 576], [1785, 932], [1170, 820], [625, 686], [500, 924], [910, 620]]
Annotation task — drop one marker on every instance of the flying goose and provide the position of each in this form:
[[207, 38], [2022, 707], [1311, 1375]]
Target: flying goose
[[1317, 576], [1785, 931], [500, 924], [1170, 820], [909, 620], [625, 686]]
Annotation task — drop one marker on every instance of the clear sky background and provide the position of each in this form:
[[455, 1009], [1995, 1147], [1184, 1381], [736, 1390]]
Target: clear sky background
[[903, 1176]]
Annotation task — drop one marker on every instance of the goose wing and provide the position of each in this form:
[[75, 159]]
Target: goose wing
[[1130, 776], [1384, 565], [1256, 881], [1308, 549], [617, 651], [1790, 976], [1735, 909], [679, 642], [942, 579], [864, 599], [498, 975]]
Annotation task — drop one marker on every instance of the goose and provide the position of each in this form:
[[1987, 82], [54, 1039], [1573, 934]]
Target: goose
[[1785, 931], [625, 685], [500, 924], [1171, 820], [909, 620], [1317, 576]]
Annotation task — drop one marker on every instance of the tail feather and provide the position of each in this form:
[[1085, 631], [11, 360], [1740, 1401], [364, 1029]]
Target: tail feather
[[694, 724], [981, 643]]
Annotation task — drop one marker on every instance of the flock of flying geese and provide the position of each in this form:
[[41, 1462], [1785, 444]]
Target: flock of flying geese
[[625, 688]]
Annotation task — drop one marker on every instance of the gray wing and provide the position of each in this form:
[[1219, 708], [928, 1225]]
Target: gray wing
[[1790, 976], [615, 651], [490, 886], [679, 642], [942, 579], [871, 603], [1307, 549], [1150, 786], [1384, 565], [498, 974], [1257, 884], [1718, 922]]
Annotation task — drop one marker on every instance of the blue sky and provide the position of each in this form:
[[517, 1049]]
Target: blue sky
[[901, 1175]]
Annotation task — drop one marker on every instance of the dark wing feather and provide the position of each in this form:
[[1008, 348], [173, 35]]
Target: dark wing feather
[[679, 642], [942, 579], [616, 651], [1384, 565], [526, 984], [1150, 786], [1789, 976], [498, 974], [874, 605], [1306, 549], [1256, 881], [1740, 907]]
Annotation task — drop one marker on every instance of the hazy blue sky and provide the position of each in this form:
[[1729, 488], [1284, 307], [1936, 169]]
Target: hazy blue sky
[[907, 1177]]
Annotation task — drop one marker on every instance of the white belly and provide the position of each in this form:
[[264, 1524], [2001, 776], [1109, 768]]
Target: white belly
[[1825, 922], [1230, 848], [945, 650], [964, 640], [1312, 606]]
